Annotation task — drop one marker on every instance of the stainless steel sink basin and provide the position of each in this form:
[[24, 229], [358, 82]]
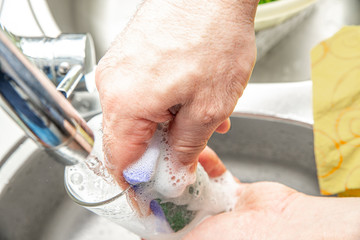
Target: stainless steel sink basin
[[34, 204]]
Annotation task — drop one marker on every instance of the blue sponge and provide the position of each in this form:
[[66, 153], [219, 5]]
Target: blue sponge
[[143, 170]]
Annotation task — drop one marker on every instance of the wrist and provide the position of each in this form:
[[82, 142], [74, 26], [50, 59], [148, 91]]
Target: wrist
[[242, 9]]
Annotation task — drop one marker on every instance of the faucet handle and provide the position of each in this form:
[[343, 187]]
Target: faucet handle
[[56, 56]]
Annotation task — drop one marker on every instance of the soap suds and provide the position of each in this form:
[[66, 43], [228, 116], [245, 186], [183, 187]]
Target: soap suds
[[155, 176]]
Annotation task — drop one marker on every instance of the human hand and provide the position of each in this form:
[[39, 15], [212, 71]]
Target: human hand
[[268, 210], [186, 62]]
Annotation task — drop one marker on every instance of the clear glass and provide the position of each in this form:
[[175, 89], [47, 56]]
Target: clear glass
[[141, 208]]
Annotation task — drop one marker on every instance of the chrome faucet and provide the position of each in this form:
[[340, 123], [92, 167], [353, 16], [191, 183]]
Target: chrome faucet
[[56, 56], [31, 99]]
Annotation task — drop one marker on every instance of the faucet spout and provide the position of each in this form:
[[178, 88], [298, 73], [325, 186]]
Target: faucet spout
[[30, 98]]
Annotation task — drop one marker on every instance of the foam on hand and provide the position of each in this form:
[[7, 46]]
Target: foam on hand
[[169, 177], [177, 197], [174, 192], [143, 169]]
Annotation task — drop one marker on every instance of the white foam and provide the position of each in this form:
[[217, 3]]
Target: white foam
[[172, 177], [168, 180], [143, 169]]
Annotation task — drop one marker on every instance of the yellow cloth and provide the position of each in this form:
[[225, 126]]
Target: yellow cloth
[[336, 105]]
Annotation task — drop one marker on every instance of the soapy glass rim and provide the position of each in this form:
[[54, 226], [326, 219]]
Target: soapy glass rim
[[71, 194]]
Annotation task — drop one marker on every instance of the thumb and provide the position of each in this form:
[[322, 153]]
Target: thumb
[[189, 133]]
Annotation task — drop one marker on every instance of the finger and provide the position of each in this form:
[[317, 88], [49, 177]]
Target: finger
[[211, 163], [224, 127], [190, 130]]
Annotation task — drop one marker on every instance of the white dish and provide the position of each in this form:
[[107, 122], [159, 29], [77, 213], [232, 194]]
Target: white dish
[[274, 13]]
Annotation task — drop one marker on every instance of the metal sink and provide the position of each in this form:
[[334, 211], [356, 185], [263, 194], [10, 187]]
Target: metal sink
[[271, 139]]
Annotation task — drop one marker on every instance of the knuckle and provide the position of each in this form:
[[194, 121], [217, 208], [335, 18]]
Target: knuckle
[[102, 70], [212, 115], [241, 73], [108, 65], [245, 64], [234, 89]]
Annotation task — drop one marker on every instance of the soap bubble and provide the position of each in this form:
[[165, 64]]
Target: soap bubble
[[174, 189], [76, 178]]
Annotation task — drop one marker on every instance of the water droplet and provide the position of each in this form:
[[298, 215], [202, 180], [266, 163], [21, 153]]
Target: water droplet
[[76, 178], [173, 178]]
